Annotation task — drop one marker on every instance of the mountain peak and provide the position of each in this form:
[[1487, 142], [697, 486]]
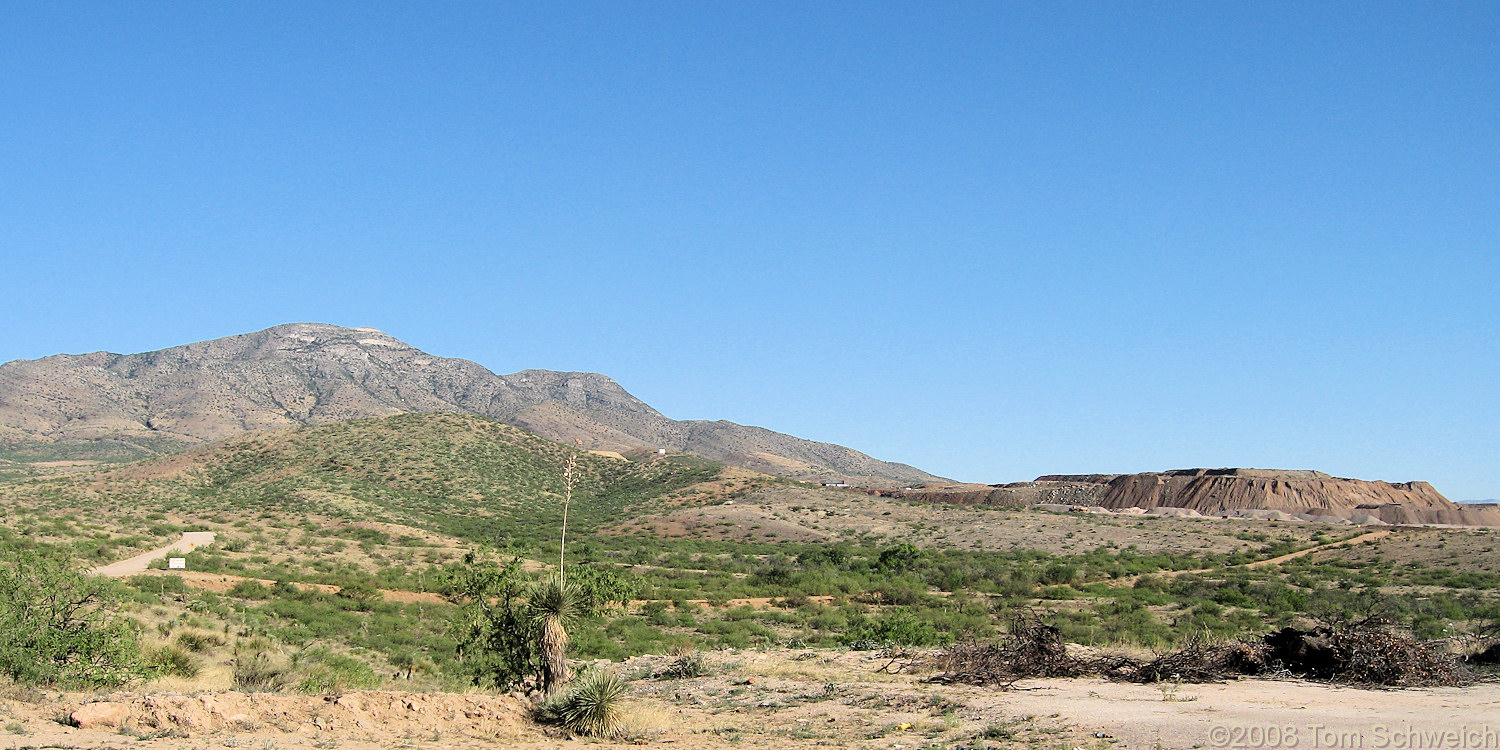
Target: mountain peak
[[324, 332], [307, 373]]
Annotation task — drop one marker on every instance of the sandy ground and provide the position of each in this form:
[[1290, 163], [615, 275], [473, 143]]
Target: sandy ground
[[792, 699], [1262, 713]]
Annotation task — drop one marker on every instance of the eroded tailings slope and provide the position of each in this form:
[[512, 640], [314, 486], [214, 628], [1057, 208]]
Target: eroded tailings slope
[[1211, 491]]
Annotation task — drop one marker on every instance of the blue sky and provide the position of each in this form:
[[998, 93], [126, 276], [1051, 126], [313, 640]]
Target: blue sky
[[993, 240]]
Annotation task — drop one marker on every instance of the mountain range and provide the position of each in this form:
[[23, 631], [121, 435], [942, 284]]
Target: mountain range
[[123, 406]]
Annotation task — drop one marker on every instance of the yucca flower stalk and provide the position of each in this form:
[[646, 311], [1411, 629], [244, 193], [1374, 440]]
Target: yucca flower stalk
[[570, 479]]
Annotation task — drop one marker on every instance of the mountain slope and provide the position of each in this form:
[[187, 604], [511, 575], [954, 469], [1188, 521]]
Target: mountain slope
[[458, 474], [104, 405]]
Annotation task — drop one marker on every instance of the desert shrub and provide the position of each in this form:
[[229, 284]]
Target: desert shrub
[[496, 643], [1059, 573], [904, 556], [901, 627], [256, 669], [602, 585], [1130, 622], [359, 595], [157, 585], [171, 659], [656, 614], [248, 589], [686, 666], [197, 641], [737, 633], [58, 625], [824, 556], [593, 707], [334, 673]]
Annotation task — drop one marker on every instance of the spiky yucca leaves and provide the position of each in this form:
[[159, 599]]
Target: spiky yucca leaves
[[595, 707], [553, 606]]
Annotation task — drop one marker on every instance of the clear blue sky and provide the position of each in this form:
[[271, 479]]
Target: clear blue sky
[[993, 240]]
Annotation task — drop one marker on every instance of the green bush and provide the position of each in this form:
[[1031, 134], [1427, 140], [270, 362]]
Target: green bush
[[172, 659], [496, 642], [360, 596], [198, 642], [335, 673], [901, 627], [59, 626], [248, 589]]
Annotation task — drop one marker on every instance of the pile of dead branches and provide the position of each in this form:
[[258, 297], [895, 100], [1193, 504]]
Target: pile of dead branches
[[1366, 653], [1486, 657], [1199, 660], [1032, 648]]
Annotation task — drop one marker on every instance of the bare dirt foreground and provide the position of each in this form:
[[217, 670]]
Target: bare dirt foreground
[[786, 699]]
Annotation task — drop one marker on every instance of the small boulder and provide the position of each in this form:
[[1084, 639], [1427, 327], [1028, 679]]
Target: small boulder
[[101, 714]]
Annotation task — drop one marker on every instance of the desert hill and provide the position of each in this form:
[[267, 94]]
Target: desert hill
[[1217, 491], [458, 474], [111, 406]]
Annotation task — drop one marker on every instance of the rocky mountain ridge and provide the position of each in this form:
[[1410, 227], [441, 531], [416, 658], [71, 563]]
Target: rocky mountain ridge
[[79, 406]]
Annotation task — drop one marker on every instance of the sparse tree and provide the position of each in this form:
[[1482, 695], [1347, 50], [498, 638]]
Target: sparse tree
[[496, 641], [58, 625]]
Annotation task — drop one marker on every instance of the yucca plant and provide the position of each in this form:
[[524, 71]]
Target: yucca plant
[[594, 707], [552, 607]]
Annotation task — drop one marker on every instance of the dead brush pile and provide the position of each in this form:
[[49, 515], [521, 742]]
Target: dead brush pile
[[1201, 660], [1365, 653], [1032, 648]]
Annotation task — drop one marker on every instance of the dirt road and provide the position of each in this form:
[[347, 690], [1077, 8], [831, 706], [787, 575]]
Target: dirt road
[[1361, 539], [190, 541]]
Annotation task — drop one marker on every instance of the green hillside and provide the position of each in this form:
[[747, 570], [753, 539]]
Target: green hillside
[[464, 475], [454, 474]]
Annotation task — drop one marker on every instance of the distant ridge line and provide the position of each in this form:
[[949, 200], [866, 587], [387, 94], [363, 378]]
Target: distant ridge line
[[112, 406]]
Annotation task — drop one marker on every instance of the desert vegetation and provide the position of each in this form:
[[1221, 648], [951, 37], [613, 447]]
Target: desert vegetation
[[422, 553]]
